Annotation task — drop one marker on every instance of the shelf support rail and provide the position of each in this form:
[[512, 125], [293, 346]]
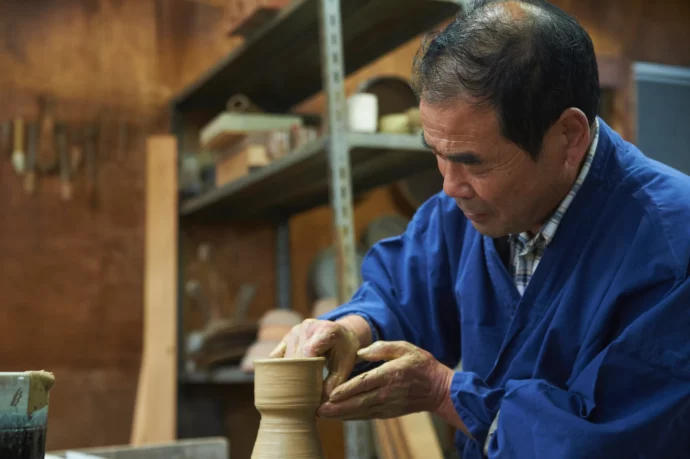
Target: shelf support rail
[[357, 433]]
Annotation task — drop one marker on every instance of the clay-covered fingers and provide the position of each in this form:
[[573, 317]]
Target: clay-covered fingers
[[381, 401], [373, 379], [322, 338], [389, 351], [340, 365], [386, 350], [292, 340], [279, 351], [286, 348], [357, 407], [310, 338], [324, 342], [341, 348], [310, 327], [409, 380]]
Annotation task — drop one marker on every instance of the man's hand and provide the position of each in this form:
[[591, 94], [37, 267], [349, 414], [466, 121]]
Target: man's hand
[[410, 381], [317, 338]]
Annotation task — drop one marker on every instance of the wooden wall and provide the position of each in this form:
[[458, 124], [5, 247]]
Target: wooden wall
[[72, 276]]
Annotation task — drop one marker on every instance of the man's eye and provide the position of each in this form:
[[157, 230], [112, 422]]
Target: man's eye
[[478, 170]]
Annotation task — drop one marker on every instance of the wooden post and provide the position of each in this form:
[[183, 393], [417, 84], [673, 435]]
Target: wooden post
[[155, 413]]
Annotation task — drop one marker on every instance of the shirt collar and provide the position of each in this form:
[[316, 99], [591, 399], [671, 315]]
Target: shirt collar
[[548, 230]]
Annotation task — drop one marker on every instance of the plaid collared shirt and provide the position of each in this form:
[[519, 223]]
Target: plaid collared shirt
[[526, 252]]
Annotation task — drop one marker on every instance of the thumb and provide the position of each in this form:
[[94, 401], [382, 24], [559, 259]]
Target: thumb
[[340, 365], [385, 350]]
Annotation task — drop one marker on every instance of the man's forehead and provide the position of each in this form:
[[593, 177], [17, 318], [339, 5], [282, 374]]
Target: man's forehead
[[455, 125], [436, 138]]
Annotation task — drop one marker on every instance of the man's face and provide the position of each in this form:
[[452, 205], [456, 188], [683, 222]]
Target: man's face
[[497, 185]]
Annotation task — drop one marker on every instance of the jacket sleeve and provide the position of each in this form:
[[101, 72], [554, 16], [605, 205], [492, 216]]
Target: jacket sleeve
[[631, 400], [407, 289]]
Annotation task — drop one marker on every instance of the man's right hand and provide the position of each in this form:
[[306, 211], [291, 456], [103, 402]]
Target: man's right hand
[[322, 338]]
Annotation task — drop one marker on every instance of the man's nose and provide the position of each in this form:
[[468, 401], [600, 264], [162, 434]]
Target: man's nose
[[455, 182]]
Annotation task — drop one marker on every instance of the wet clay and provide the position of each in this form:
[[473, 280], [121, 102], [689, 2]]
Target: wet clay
[[287, 393]]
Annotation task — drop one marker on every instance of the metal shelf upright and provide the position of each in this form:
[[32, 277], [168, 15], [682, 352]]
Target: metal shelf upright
[[357, 433]]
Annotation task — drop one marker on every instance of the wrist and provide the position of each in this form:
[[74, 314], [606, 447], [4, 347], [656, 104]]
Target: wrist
[[446, 409], [357, 327], [441, 393]]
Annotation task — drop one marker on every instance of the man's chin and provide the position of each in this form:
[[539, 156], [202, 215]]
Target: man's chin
[[489, 230]]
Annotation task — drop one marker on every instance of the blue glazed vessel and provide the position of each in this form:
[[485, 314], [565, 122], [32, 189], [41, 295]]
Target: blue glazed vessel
[[24, 401]]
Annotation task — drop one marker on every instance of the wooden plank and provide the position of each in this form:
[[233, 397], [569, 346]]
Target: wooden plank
[[398, 438], [383, 441], [228, 128], [420, 436], [155, 417]]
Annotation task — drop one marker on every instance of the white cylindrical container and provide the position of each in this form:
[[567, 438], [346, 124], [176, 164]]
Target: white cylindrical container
[[362, 112]]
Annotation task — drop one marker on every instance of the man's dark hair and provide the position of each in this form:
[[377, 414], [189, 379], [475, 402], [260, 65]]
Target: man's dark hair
[[527, 59]]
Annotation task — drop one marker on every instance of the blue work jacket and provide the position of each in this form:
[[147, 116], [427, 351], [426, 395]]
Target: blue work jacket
[[594, 359]]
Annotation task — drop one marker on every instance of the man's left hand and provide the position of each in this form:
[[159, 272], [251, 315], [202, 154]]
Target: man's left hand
[[410, 380]]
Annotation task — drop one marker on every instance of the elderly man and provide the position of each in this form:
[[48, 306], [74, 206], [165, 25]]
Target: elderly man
[[554, 264]]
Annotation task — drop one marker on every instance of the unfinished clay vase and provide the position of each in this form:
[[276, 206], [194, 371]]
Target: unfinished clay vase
[[287, 393]]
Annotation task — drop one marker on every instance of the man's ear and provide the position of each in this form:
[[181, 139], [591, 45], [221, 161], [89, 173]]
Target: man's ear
[[574, 126]]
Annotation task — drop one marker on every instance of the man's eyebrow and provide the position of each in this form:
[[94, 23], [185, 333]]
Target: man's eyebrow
[[466, 157]]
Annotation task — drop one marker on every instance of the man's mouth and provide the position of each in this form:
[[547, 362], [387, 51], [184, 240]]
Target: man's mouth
[[475, 216]]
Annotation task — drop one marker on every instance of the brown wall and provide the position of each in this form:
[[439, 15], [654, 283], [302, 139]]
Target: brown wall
[[72, 276]]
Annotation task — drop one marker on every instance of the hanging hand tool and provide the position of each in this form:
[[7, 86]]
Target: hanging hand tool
[[92, 165], [104, 130], [18, 155], [5, 138], [47, 159], [76, 149], [76, 157], [65, 166], [30, 178]]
